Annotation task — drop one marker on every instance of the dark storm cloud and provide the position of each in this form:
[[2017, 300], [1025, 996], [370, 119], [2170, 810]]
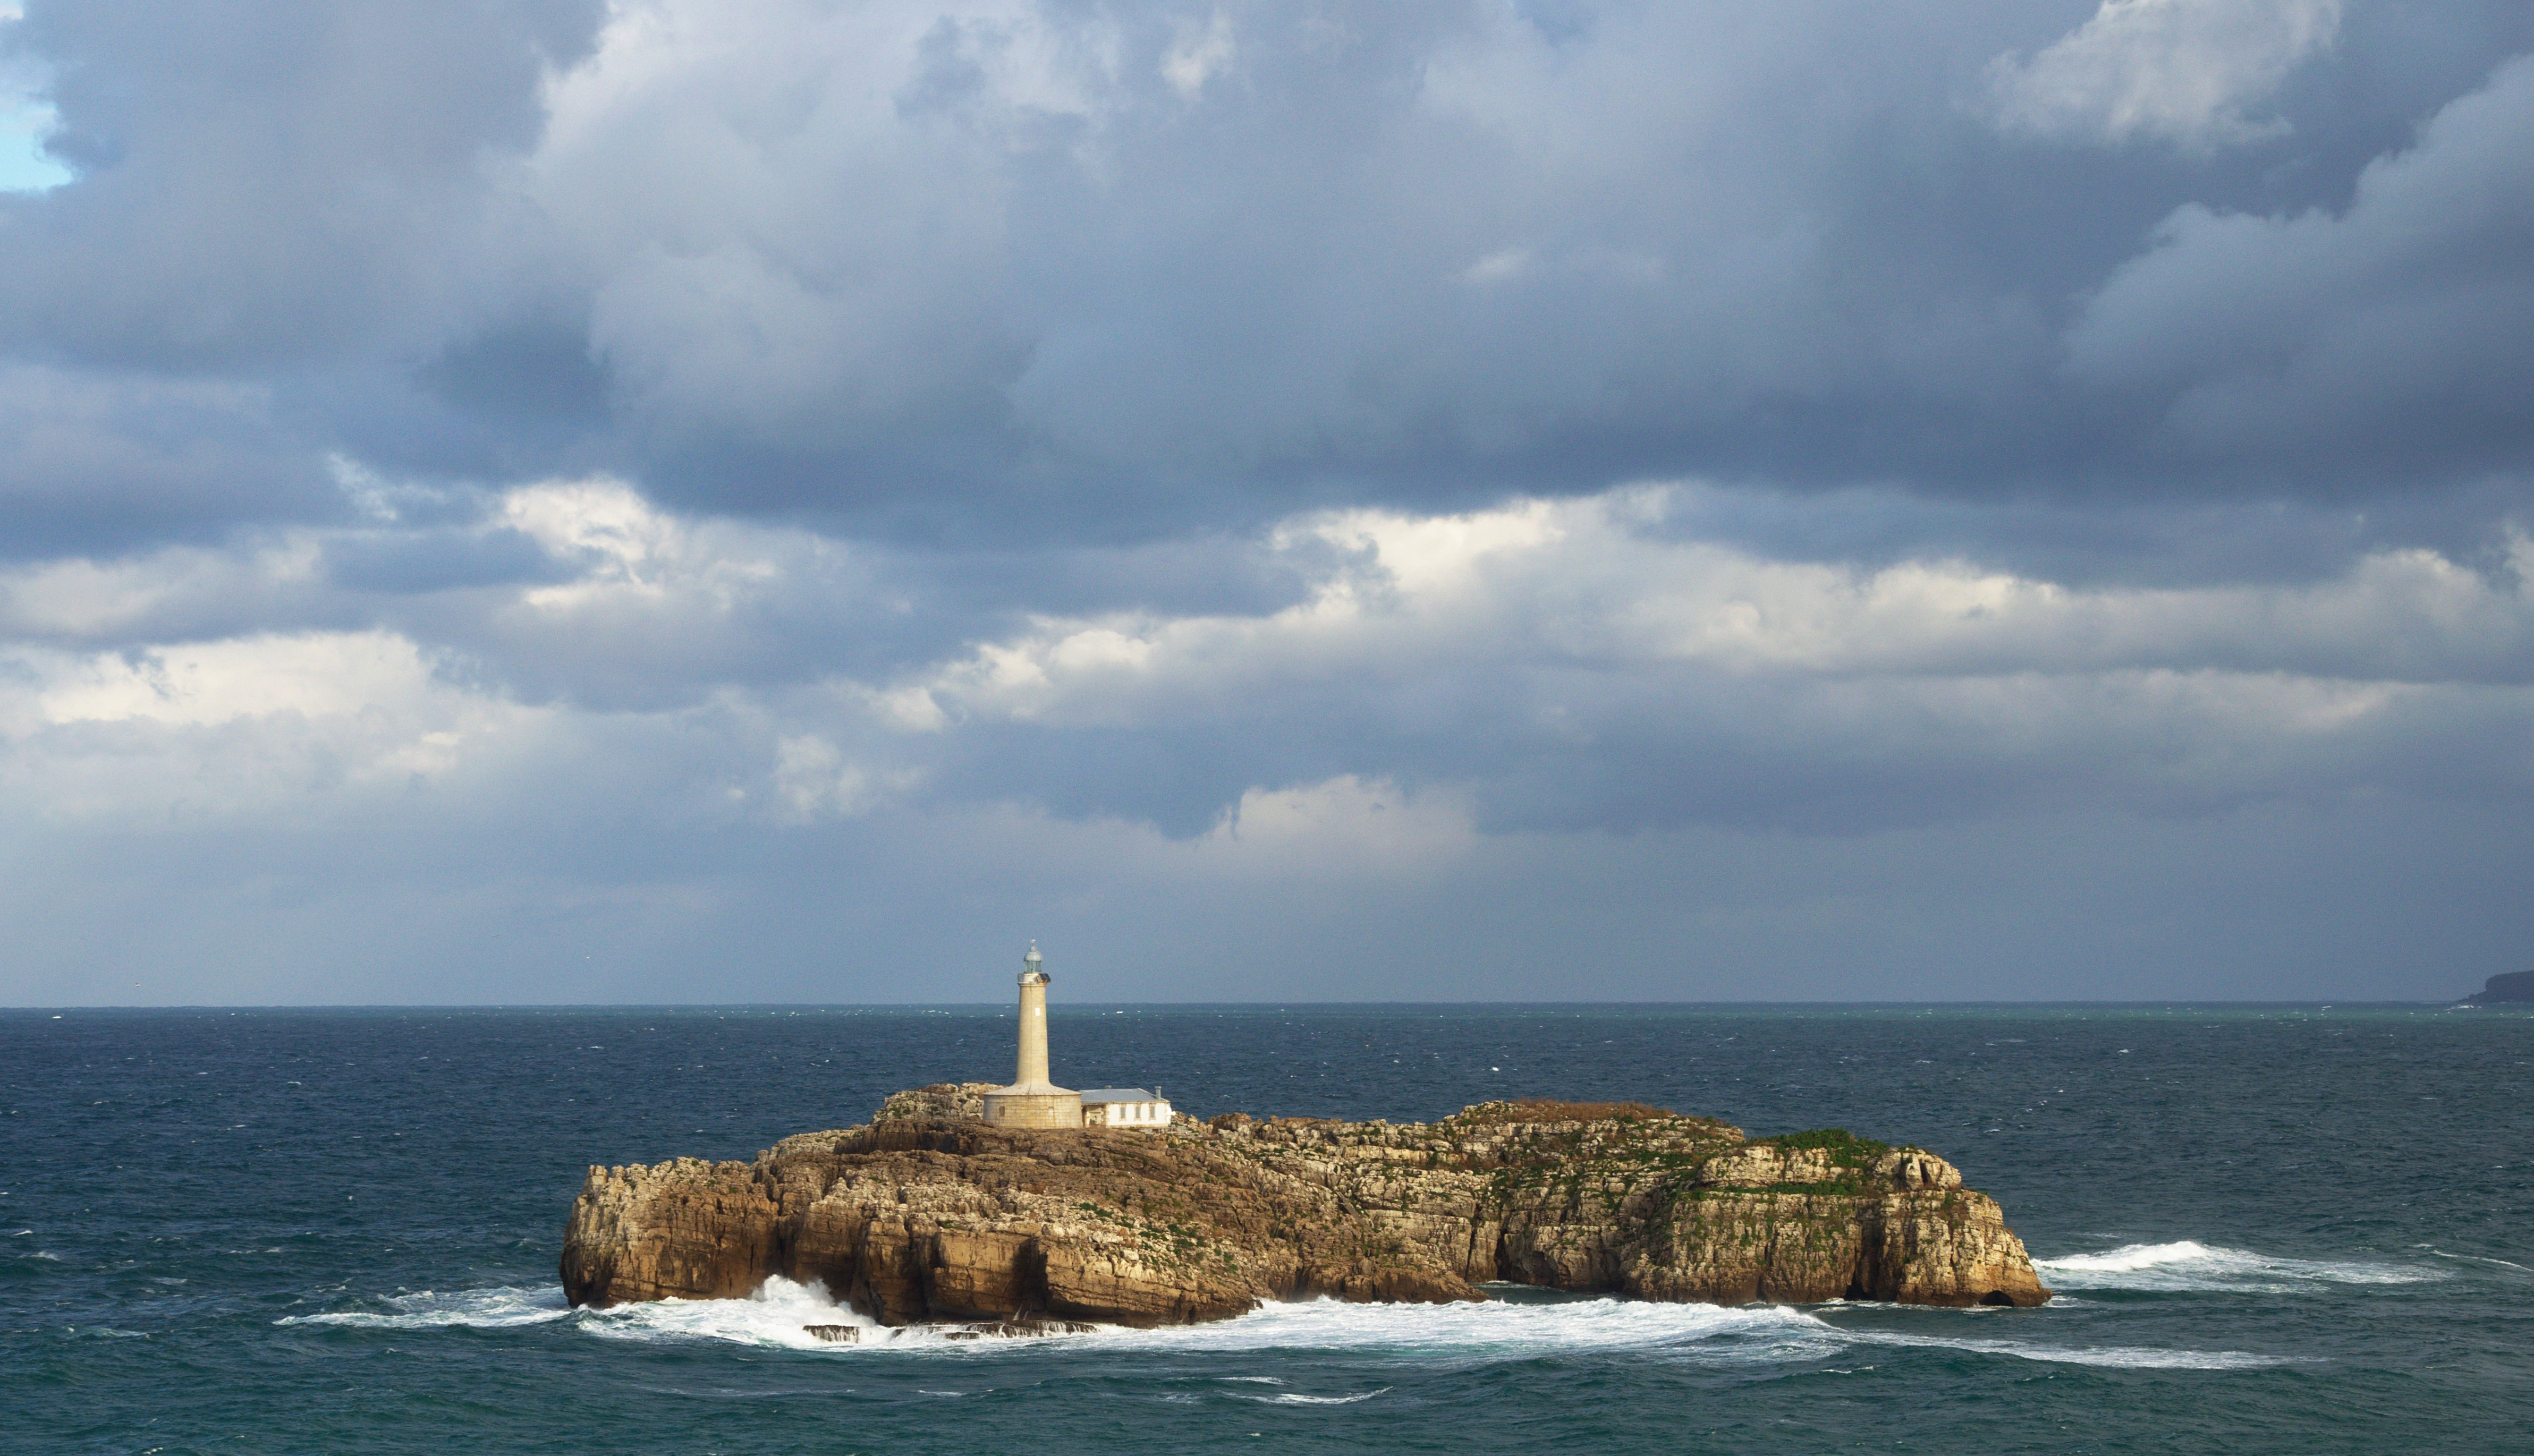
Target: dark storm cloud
[[93, 461], [1106, 271], [2394, 336], [273, 183], [273, 201]]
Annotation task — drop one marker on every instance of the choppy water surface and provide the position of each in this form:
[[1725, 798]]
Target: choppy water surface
[[2270, 1230]]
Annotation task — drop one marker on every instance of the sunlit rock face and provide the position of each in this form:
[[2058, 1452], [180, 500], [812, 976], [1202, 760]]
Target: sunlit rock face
[[928, 1214]]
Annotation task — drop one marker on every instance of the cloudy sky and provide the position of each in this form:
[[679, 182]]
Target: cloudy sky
[[785, 499]]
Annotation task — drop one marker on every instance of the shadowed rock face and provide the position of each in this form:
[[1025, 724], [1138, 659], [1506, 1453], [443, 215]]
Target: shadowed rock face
[[927, 1214], [2508, 989]]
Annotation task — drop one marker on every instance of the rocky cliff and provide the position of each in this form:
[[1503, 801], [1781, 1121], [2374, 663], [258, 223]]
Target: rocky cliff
[[2509, 988], [929, 1214]]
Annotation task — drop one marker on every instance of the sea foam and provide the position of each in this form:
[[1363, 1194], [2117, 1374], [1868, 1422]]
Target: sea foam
[[774, 1315], [778, 1314], [1424, 1336], [2130, 1356], [1451, 1335], [2190, 1265], [478, 1308], [1432, 1335]]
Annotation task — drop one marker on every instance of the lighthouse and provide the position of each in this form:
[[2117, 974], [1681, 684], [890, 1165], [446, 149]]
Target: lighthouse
[[1032, 1101]]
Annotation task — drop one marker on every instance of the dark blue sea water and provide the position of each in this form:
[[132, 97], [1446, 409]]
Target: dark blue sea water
[[2273, 1229]]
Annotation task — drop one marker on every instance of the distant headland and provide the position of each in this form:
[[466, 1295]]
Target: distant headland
[[2514, 988], [1020, 1210]]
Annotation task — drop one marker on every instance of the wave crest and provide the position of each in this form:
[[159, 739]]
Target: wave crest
[[778, 1312], [2118, 1357], [477, 1309], [2187, 1264]]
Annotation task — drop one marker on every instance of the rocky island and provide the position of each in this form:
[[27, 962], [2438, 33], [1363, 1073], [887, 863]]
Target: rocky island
[[1031, 1209], [929, 1213]]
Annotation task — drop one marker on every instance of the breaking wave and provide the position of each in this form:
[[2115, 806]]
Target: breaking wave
[[2190, 1265], [1426, 1336], [2124, 1357], [2476, 1258], [479, 1309], [1497, 1330], [778, 1313], [1701, 1334]]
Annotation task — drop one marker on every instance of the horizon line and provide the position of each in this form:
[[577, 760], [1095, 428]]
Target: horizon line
[[1004, 1006]]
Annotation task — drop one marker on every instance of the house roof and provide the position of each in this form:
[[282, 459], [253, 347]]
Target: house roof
[[1117, 1095]]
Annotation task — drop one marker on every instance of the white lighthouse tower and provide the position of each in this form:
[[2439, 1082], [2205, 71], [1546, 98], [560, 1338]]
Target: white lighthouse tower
[[1032, 1101]]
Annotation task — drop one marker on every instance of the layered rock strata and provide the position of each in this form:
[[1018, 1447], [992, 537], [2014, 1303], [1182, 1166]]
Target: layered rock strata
[[928, 1214]]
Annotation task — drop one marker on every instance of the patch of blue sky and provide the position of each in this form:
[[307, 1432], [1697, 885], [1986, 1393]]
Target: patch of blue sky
[[25, 121], [24, 164]]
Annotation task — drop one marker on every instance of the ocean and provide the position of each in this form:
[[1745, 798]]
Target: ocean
[[2269, 1228]]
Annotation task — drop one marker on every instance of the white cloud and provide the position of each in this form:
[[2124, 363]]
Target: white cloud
[[654, 596], [1500, 266], [318, 675], [1570, 663], [2179, 71], [1586, 583], [620, 540], [246, 728], [1342, 825], [78, 598], [1198, 57], [1456, 653], [814, 780]]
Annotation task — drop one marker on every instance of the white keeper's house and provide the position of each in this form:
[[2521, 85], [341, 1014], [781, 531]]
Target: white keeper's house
[[1124, 1107]]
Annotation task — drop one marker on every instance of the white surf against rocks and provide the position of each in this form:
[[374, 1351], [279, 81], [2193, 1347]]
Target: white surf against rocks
[[781, 1313], [1430, 1335], [2190, 1265]]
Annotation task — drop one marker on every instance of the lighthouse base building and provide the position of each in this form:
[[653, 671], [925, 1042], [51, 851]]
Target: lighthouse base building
[[1034, 1104]]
